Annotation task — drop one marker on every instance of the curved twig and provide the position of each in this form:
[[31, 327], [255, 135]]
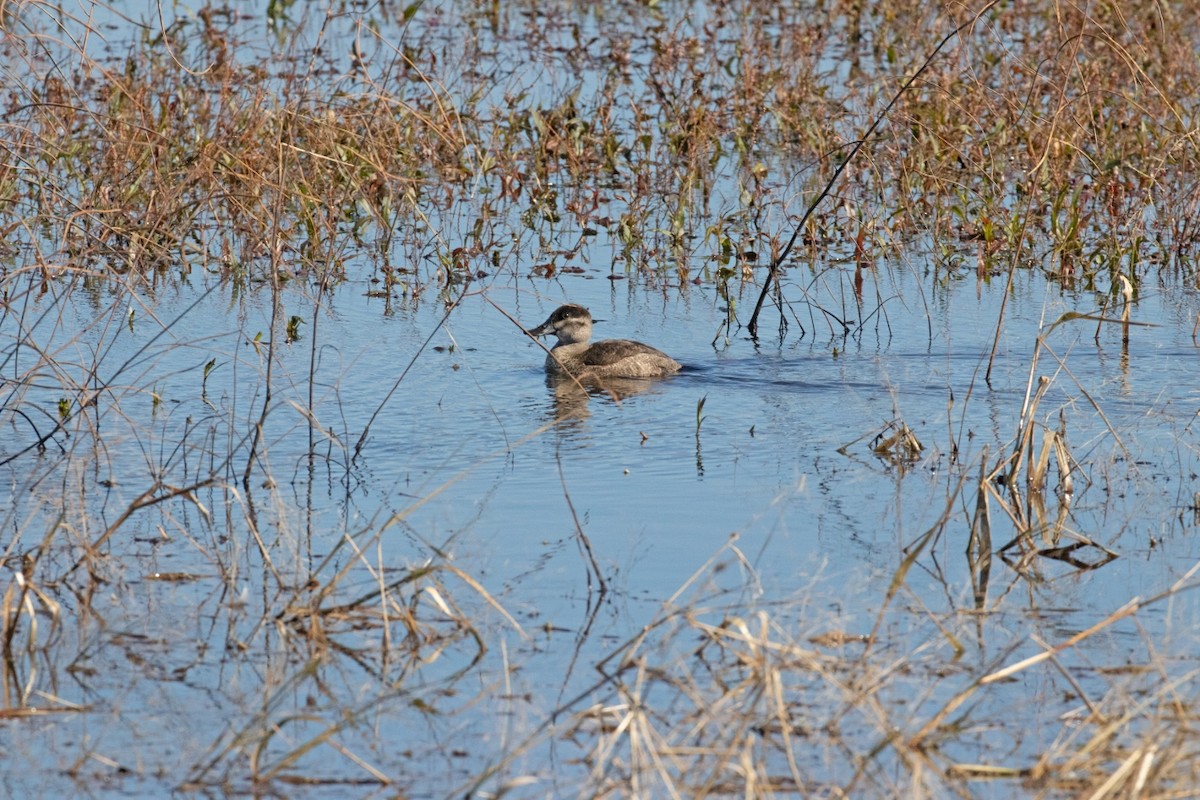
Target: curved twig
[[362, 439], [773, 274]]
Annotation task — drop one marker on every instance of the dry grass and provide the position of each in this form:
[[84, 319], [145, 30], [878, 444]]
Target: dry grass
[[723, 697], [195, 150]]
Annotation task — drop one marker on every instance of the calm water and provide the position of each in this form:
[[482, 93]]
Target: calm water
[[181, 641], [475, 428]]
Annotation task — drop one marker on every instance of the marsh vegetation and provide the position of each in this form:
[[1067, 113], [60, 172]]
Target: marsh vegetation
[[288, 508]]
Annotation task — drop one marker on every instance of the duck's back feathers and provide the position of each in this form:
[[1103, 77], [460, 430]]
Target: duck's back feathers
[[636, 359]]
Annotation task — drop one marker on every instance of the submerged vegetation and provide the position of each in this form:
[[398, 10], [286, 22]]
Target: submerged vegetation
[[426, 152]]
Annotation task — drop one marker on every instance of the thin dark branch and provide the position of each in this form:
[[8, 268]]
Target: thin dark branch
[[585, 544], [362, 439], [773, 273]]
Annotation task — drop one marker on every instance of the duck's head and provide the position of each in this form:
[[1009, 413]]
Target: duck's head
[[572, 324]]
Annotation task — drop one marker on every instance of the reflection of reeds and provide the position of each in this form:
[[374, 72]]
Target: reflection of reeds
[[1026, 471], [25, 640], [715, 700]]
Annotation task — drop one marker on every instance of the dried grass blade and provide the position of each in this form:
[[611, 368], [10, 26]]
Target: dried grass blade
[[1124, 611], [491, 601]]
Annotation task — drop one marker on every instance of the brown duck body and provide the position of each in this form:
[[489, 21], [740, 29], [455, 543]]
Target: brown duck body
[[610, 358]]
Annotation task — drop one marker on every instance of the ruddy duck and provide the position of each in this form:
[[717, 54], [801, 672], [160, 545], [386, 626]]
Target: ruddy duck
[[610, 358]]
